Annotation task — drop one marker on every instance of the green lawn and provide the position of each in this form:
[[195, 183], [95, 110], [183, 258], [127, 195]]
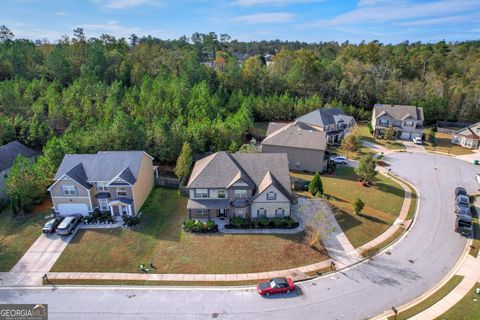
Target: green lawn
[[383, 201], [17, 234], [171, 250], [476, 231], [430, 301], [413, 204], [443, 144], [365, 135], [466, 309]]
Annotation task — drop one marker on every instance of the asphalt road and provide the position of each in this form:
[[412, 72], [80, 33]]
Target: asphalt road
[[409, 269]]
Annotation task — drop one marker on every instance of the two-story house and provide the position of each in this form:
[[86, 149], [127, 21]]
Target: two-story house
[[247, 185], [468, 137], [304, 144], [330, 120], [114, 181], [407, 121], [8, 154]]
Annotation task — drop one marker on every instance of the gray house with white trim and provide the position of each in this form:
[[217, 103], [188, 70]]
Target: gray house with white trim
[[114, 181], [406, 121]]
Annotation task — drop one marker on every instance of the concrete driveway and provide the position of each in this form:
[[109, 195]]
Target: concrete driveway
[[37, 261], [408, 269]]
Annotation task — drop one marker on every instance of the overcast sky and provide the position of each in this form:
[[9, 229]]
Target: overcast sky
[[389, 21]]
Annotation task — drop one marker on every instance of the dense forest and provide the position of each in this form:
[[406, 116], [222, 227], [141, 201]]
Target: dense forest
[[87, 94]]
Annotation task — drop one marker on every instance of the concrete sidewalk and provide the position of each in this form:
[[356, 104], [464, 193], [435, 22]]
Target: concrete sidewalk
[[37, 261], [337, 244]]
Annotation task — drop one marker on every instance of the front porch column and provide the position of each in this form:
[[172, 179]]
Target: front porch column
[[189, 214], [208, 214], [129, 209], [111, 211]]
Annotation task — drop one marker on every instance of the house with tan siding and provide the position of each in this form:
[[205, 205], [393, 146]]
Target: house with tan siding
[[247, 185], [406, 121], [305, 145], [115, 181]]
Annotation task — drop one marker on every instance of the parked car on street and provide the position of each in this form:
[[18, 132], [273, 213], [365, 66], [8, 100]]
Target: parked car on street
[[340, 160], [462, 206], [460, 191], [51, 225], [68, 225], [417, 140], [464, 225], [276, 285]]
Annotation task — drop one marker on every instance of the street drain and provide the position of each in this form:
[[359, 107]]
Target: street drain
[[411, 261], [214, 315], [388, 252]]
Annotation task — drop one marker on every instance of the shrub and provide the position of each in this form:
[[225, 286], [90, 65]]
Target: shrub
[[263, 222], [191, 225], [358, 206], [315, 185], [130, 221]]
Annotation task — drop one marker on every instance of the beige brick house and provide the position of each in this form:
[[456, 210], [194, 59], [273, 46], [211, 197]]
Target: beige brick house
[[114, 181]]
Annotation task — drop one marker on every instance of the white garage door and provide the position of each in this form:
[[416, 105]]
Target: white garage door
[[405, 136], [68, 209]]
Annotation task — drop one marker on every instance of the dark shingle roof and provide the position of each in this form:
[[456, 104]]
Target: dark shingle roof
[[78, 174], [399, 112], [220, 169], [325, 117], [10, 151], [103, 166]]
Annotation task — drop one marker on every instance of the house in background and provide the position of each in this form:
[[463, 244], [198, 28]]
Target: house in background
[[468, 137], [247, 185], [8, 154], [407, 121], [333, 121], [115, 181], [305, 145]]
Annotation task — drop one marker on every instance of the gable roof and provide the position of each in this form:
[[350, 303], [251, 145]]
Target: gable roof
[[471, 131], [274, 126], [298, 135], [399, 112], [221, 169], [325, 116], [10, 151], [102, 166]]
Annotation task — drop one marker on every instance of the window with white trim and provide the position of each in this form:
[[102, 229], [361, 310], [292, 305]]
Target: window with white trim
[[201, 193], [69, 190], [221, 194], [262, 213], [240, 193], [409, 123], [271, 195], [103, 204], [280, 213], [383, 121], [124, 210], [121, 191], [102, 186], [202, 211]]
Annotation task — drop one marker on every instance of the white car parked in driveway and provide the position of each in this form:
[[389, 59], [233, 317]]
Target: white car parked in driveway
[[340, 160], [417, 140]]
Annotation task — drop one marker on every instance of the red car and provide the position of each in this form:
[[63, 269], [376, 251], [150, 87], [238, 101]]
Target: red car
[[276, 285]]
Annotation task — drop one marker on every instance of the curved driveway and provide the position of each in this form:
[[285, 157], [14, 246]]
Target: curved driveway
[[407, 270]]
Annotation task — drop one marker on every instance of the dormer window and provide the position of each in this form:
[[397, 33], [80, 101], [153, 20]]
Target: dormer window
[[221, 194], [271, 195], [240, 194]]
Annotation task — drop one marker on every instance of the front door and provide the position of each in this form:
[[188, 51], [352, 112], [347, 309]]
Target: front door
[[124, 210], [222, 212]]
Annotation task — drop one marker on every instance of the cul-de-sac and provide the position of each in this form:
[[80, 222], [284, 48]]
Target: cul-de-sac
[[308, 159]]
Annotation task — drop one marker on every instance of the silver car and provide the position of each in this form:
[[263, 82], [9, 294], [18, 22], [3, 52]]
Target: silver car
[[68, 225]]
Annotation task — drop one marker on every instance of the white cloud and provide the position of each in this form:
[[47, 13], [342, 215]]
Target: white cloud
[[252, 3], [120, 4], [114, 28], [391, 11], [61, 13], [440, 21], [266, 18]]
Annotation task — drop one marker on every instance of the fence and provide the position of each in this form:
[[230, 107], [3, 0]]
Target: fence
[[166, 182], [451, 127]]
